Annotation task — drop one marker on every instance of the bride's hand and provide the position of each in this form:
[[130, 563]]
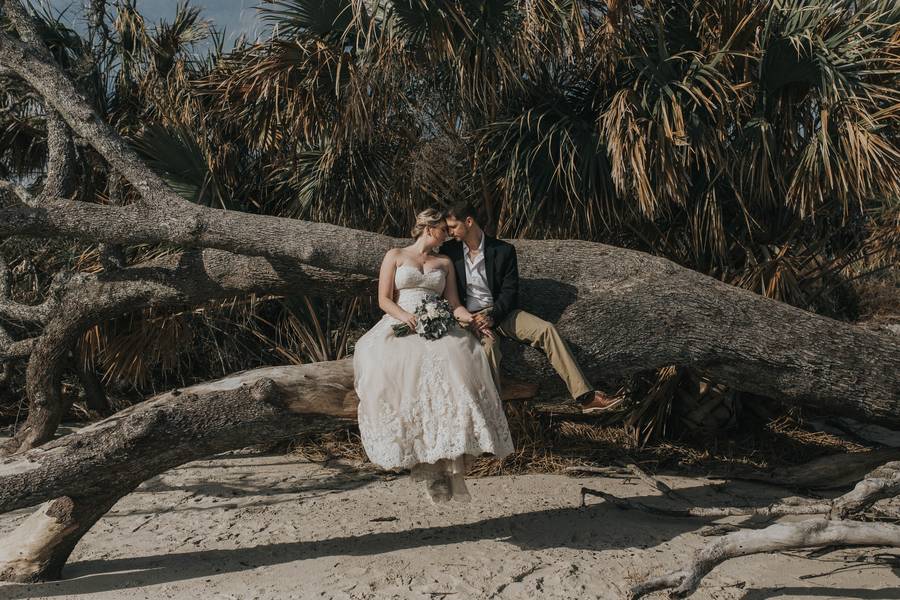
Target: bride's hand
[[463, 317], [409, 319]]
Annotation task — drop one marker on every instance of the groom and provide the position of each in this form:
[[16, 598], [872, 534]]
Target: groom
[[487, 275]]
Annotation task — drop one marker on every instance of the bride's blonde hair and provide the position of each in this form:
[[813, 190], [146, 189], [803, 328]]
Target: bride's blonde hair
[[430, 217]]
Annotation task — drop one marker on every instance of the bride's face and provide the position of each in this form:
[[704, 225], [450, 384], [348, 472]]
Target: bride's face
[[438, 234]]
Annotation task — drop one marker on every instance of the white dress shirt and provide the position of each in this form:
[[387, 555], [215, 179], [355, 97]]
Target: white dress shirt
[[478, 295]]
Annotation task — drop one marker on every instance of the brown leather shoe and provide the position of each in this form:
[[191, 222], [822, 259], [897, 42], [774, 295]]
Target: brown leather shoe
[[599, 402]]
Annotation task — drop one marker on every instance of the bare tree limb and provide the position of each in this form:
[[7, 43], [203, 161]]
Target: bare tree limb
[[812, 533], [31, 61], [186, 278], [25, 313], [61, 150], [59, 180], [881, 483], [15, 349], [85, 473], [18, 191]]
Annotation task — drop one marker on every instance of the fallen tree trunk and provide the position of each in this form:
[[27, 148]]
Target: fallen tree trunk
[[183, 425], [621, 311], [83, 474], [625, 311], [184, 278]]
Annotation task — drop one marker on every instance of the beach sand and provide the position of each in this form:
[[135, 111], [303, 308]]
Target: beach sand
[[247, 526]]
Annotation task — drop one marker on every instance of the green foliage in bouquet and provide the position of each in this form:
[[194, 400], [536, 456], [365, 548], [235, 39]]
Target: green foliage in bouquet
[[434, 318]]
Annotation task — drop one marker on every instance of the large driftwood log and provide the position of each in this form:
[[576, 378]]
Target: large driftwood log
[[90, 460], [624, 312], [81, 475], [185, 278]]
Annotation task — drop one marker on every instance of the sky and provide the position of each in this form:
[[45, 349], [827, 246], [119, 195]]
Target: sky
[[235, 16]]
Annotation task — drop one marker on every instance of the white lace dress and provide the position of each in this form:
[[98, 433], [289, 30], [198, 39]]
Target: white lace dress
[[427, 405]]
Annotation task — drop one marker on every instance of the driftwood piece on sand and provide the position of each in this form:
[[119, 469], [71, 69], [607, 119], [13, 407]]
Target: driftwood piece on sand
[[835, 526]]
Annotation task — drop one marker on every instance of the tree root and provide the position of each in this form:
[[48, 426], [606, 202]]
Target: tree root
[[835, 529]]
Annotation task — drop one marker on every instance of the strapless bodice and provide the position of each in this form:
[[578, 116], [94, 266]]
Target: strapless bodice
[[412, 285]]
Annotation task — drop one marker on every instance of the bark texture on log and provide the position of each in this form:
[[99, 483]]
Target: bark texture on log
[[830, 530], [83, 474], [176, 427], [172, 428], [185, 278], [40, 546], [622, 311]]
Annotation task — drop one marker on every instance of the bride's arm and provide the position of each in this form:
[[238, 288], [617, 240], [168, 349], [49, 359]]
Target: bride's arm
[[386, 290]]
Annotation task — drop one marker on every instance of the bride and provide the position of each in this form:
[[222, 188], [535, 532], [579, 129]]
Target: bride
[[426, 405]]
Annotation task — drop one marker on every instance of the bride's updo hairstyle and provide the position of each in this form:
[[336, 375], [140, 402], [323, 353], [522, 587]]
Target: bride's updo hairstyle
[[430, 217]]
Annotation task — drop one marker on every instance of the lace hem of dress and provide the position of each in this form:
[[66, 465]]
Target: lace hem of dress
[[397, 438]]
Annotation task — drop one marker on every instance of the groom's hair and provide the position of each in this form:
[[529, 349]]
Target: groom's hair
[[462, 210]]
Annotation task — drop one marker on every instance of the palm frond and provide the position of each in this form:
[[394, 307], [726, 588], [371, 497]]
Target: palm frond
[[327, 20]]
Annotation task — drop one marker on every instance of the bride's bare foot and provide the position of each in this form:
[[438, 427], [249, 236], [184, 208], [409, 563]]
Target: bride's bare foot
[[439, 490]]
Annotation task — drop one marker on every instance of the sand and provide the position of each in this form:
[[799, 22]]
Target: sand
[[246, 526]]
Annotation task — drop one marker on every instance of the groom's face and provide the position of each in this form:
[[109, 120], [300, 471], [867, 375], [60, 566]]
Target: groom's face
[[459, 229]]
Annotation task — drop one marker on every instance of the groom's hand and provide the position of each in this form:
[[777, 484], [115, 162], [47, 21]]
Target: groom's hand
[[484, 323]]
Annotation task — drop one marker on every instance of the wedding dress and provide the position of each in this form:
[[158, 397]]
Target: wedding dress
[[427, 405]]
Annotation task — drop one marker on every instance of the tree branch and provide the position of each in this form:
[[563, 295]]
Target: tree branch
[[188, 278], [59, 180], [18, 191], [25, 313], [88, 471], [812, 533], [31, 61], [881, 483]]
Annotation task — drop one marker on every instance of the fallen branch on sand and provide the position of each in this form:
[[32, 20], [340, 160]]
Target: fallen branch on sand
[[838, 527]]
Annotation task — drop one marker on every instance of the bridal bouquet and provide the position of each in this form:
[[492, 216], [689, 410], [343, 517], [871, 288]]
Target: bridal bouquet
[[434, 318]]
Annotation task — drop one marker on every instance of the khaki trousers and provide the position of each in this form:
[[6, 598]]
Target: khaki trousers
[[525, 327]]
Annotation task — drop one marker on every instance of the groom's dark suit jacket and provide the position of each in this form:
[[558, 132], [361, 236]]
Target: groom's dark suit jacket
[[502, 268]]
